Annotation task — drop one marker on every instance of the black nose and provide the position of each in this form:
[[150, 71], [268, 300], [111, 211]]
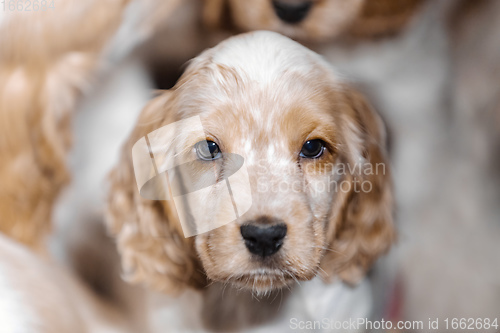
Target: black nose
[[291, 12], [263, 240]]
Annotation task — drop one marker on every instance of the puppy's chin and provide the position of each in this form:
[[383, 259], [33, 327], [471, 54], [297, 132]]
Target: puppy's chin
[[263, 282]]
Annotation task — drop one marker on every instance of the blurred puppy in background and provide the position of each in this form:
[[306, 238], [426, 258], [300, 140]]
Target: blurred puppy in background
[[272, 101], [48, 60], [43, 72], [314, 21]]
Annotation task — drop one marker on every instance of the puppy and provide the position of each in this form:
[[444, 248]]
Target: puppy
[[294, 121]]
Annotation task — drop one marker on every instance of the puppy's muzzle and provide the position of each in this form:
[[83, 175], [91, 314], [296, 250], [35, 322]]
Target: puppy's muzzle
[[263, 240], [291, 12]]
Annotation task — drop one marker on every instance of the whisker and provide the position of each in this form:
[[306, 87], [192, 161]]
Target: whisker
[[295, 279], [323, 271], [328, 249], [281, 299]]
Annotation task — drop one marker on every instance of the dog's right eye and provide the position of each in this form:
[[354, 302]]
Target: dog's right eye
[[312, 149], [207, 150]]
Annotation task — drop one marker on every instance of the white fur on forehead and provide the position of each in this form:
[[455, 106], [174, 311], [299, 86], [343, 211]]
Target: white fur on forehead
[[264, 56]]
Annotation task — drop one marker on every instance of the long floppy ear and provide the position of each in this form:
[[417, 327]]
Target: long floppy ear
[[361, 228], [149, 237]]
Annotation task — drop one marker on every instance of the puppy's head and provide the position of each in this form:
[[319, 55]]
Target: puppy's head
[[313, 20], [321, 200]]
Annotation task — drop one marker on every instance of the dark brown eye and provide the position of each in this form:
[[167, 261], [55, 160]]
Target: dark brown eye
[[207, 150], [312, 149]]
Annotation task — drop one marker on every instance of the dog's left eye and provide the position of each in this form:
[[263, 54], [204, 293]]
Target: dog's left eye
[[207, 150], [312, 149]]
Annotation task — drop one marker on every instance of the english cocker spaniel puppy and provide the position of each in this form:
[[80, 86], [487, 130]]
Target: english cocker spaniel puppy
[[320, 199]]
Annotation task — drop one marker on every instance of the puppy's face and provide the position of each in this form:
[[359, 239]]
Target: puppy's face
[[287, 135], [305, 139]]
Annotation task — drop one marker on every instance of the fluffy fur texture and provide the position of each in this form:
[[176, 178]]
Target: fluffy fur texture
[[262, 96]]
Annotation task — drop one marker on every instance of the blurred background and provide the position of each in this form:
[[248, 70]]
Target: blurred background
[[432, 70]]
